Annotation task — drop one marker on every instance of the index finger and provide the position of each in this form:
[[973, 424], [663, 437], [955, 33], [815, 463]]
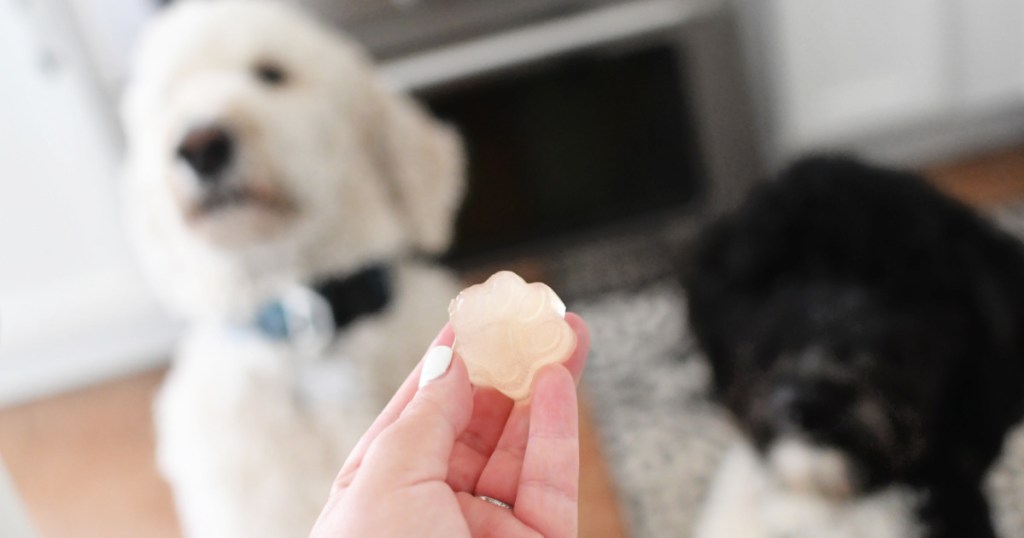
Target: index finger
[[390, 414]]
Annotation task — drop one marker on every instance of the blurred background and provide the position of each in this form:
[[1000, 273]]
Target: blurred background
[[660, 112]]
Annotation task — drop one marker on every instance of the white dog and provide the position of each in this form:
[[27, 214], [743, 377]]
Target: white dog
[[279, 194]]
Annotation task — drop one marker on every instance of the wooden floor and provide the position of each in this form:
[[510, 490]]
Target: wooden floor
[[984, 181], [83, 461]]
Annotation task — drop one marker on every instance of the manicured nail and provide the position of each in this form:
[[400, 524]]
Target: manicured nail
[[435, 364]]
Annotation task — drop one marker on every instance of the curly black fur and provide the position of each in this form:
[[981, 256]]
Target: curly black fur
[[910, 306]]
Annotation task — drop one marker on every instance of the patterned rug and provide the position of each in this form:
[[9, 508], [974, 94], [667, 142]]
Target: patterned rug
[[646, 384]]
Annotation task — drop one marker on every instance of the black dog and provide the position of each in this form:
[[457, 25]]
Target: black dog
[[858, 309]]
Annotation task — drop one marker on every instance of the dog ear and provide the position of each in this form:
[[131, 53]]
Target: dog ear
[[423, 160]]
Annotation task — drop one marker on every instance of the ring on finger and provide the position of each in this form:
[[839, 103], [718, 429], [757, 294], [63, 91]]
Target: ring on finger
[[494, 501]]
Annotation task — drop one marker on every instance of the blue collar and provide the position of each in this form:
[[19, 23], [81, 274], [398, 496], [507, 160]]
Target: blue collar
[[312, 316]]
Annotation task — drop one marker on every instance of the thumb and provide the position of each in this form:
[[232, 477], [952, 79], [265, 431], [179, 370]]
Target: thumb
[[416, 447]]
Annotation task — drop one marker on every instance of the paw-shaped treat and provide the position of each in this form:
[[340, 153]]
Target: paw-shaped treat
[[506, 330]]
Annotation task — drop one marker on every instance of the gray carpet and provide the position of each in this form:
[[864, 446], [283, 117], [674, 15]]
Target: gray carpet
[[647, 384]]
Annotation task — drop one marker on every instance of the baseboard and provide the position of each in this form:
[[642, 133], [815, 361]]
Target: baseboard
[[101, 356], [82, 331], [929, 141]]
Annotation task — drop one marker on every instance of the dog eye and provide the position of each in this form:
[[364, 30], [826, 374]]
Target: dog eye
[[270, 74]]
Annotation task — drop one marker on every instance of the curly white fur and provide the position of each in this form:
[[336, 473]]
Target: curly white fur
[[251, 433], [752, 498]]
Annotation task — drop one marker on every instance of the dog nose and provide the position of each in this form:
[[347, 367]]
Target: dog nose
[[814, 406], [207, 150]]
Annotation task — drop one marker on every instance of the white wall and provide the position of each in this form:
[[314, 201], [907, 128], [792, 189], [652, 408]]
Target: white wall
[[73, 307], [900, 80]]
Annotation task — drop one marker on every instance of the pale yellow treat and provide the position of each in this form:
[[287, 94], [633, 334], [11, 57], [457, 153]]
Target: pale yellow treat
[[506, 330]]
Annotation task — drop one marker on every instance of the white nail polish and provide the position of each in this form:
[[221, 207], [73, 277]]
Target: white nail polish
[[435, 364]]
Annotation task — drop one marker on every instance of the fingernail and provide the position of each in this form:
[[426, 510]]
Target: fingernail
[[435, 364]]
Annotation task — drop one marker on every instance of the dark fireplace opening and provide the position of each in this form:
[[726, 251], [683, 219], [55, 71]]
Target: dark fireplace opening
[[567, 146]]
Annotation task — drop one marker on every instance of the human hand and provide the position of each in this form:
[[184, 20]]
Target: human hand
[[421, 466]]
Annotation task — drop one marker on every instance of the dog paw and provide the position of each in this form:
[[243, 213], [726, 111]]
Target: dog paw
[[506, 330]]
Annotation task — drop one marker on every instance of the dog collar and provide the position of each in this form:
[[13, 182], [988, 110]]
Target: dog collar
[[311, 316]]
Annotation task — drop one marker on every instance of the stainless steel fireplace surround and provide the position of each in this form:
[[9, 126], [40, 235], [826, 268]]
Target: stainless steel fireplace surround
[[681, 58]]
